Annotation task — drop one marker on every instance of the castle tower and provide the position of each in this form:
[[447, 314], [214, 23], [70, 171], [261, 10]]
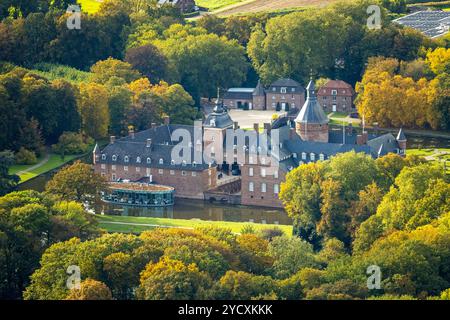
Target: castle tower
[[311, 123], [401, 140], [259, 97]]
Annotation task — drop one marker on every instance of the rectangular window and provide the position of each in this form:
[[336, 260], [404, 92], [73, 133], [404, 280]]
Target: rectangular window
[[283, 90], [250, 172], [113, 167], [275, 174], [113, 177], [276, 188], [263, 172], [172, 172], [183, 173], [125, 168], [103, 166], [263, 187], [250, 187], [138, 169], [334, 92], [194, 174], [160, 171], [149, 172]]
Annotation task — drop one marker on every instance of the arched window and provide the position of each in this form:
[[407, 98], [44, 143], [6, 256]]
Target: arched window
[[126, 159], [172, 162], [149, 160], [138, 159], [103, 156], [161, 161], [183, 163], [194, 164], [114, 158]]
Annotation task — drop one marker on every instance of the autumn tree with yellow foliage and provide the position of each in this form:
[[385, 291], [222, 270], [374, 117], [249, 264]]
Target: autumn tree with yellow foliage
[[393, 100]]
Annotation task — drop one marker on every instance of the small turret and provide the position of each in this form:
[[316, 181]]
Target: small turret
[[401, 140], [312, 122]]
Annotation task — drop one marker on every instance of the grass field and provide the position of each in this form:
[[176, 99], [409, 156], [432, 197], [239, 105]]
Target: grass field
[[90, 6], [140, 224], [216, 4], [435, 155], [53, 162]]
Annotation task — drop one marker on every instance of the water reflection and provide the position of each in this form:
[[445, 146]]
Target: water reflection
[[197, 209]]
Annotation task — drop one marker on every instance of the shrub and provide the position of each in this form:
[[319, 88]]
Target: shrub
[[24, 156], [270, 233], [71, 143], [248, 229]]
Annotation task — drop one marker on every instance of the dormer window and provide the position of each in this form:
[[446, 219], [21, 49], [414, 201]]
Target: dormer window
[[312, 156], [322, 157], [304, 155], [149, 160], [114, 158], [103, 156], [263, 160], [194, 164], [161, 161], [172, 162], [293, 89], [283, 90], [212, 123], [138, 159], [334, 92], [183, 163], [294, 155], [126, 159]]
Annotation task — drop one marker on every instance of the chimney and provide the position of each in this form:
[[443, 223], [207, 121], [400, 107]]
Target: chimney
[[362, 139], [166, 120], [235, 125], [153, 126], [267, 127], [256, 127], [149, 143], [112, 139], [131, 132]]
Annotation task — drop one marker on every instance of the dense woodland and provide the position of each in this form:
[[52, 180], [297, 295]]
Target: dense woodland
[[132, 64]]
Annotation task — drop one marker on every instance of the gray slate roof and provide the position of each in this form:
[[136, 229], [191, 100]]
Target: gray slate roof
[[311, 111], [161, 148], [259, 90]]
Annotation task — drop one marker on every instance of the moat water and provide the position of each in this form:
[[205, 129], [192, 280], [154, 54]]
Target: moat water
[[197, 209]]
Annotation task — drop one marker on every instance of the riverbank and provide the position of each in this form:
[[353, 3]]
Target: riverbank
[[139, 224]]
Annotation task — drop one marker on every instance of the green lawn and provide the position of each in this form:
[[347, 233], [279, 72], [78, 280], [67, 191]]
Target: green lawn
[[90, 6], [234, 226], [53, 162], [216, 4], [430, 152]]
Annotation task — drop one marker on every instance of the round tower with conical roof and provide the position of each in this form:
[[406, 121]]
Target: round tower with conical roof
[[259, 97], [311, 123]]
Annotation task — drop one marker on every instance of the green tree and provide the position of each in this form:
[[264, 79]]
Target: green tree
[[172, 280], [7, 181], [93, 108], [290, 255], [76, 182], [104, 70], [90, 290]]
